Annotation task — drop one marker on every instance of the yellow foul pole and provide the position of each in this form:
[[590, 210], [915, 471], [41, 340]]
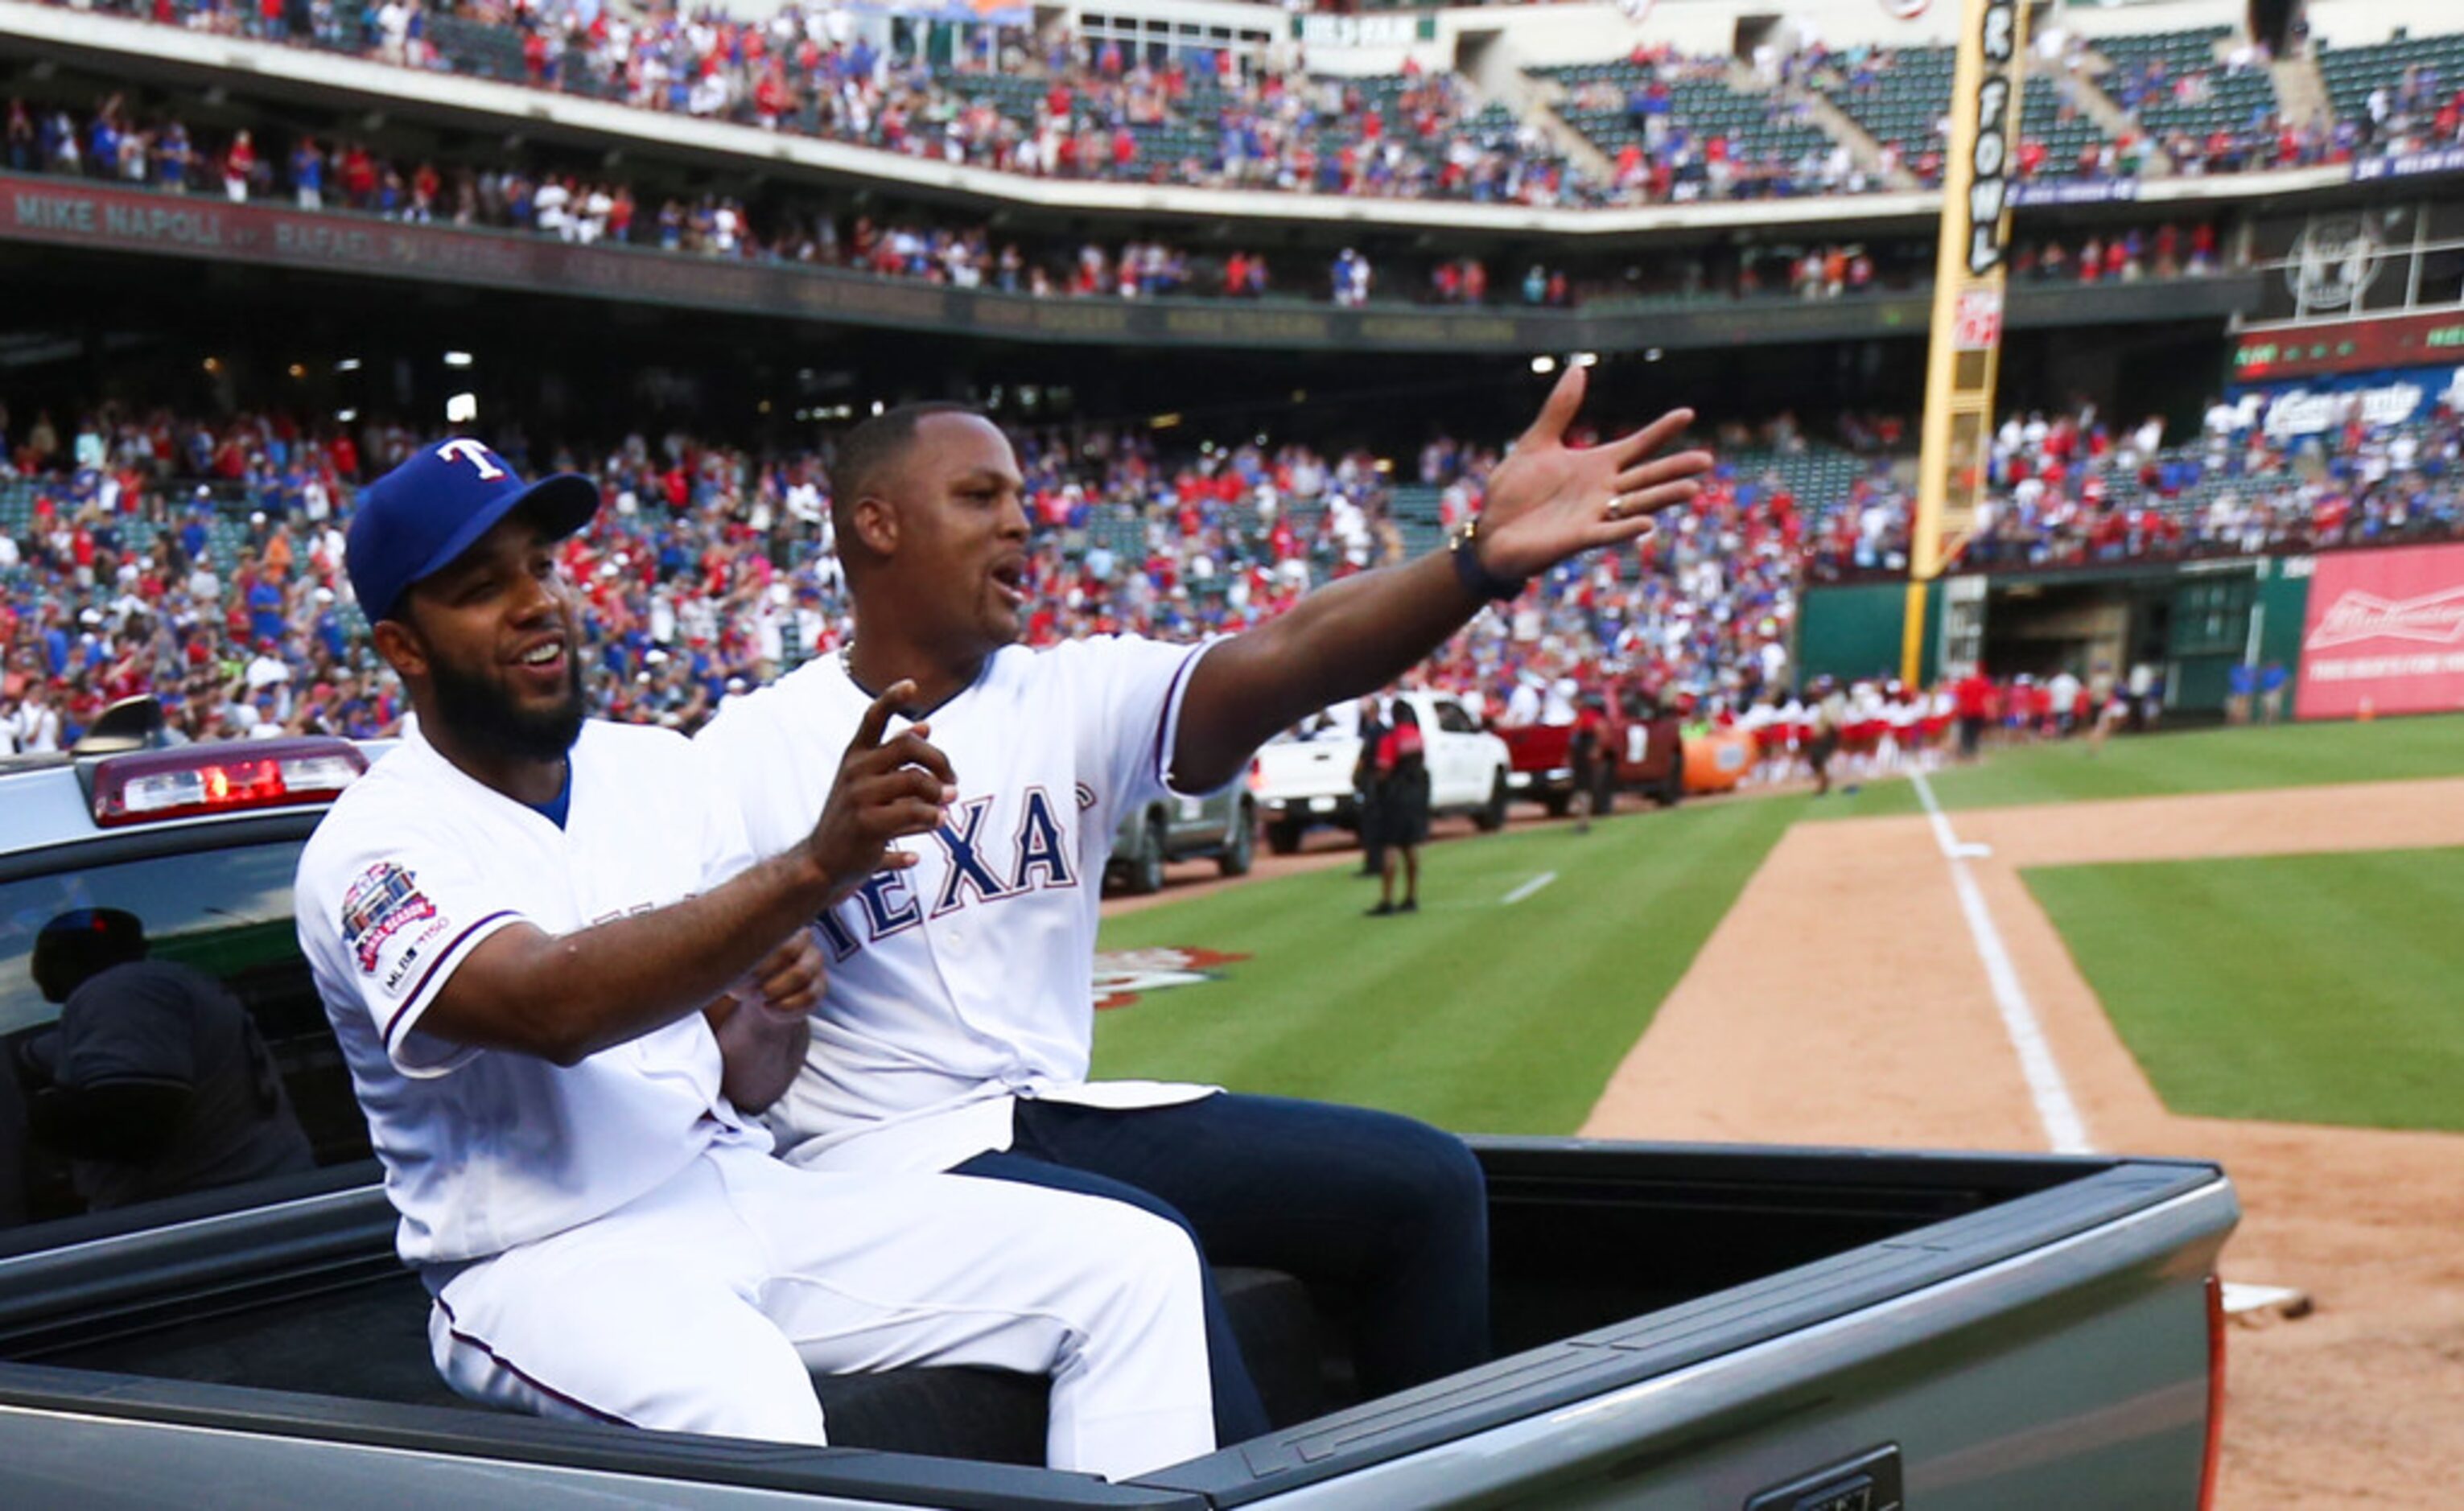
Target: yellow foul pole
[[1978, 170]]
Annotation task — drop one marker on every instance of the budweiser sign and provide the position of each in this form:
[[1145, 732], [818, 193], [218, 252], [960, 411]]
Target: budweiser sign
[[2384, 634], [2434, 619]]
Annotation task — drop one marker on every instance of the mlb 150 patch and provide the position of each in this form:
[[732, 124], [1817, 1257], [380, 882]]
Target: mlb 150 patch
[[1122, 976], [381, 903]]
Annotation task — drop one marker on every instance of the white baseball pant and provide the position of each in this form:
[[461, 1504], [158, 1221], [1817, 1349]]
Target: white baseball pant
[[701, 1306]]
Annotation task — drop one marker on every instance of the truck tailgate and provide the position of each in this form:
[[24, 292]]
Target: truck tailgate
[[2051, 1349], [1679, 1325]]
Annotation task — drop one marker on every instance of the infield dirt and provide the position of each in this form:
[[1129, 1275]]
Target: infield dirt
[[1841, 1001]]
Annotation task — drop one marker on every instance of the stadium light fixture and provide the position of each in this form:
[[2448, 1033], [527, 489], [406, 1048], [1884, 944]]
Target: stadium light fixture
[[348, 364], [1652, 354], [213, 364], [346, 416], [1584, 360], [1544, 365], [1164, 422], [298, 369], [457, 359], [878, 407], [461, 408]]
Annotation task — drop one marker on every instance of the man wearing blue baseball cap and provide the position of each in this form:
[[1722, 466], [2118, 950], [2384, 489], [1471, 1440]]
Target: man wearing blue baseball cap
[[424, 518], [417, 518], [565, 989]]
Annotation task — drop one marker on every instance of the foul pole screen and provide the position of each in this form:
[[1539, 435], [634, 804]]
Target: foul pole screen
[[1978, 170]]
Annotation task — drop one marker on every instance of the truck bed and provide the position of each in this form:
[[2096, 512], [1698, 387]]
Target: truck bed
[[1616, 1268]]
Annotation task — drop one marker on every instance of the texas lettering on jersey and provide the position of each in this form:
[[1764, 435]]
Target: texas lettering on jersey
[[986, 858]]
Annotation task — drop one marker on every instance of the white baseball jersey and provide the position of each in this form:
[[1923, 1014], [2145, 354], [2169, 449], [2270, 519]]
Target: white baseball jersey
[[968, 979], [416, 865]]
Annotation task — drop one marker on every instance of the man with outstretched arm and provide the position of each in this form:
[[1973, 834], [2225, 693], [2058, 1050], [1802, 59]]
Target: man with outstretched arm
[[563, 987], [955, 1030]]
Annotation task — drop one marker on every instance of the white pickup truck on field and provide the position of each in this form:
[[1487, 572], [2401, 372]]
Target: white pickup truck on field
[[1303, 777]]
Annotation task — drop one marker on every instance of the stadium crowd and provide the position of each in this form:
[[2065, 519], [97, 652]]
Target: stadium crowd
[[2416, 111], [113, 142], [199, 560], [2186, 109], [2072, 489], [1087, 111], [1050, 104], [2069, 488]]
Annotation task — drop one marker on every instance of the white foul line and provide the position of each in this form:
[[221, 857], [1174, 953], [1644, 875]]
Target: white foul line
[[2064, 1128], [1527, 888]]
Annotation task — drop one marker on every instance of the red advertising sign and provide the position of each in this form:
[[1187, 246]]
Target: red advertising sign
[[2386, 633]]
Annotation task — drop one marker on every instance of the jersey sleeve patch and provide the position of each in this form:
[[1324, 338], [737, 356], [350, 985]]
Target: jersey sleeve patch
[[383, 901]]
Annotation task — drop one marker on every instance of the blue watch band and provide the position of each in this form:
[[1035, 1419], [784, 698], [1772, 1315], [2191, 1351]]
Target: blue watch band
[[1477, 580]]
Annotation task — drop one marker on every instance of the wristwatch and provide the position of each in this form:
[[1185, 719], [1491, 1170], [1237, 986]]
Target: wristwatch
[[1462, 543]]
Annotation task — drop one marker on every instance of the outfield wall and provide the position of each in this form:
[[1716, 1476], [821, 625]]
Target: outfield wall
[[2365, 632], [1853, 631], [2195, 621]]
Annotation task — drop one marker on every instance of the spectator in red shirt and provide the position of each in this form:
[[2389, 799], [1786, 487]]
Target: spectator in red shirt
[[1972, 699], [1402, 808]]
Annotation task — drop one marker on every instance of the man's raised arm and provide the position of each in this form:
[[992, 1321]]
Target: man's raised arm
[[1546, 503]]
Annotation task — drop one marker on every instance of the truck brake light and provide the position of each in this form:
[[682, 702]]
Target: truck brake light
[[148, 786]]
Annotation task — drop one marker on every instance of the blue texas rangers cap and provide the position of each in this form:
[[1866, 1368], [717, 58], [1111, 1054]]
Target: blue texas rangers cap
[[416, 520]]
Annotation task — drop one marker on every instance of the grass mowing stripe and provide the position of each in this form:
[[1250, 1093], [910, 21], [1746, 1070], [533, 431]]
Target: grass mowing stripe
[[1471, 1015], [2310, 988], [2202, 760]]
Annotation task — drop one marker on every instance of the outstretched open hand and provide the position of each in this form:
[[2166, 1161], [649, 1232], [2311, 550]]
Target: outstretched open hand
[[1548, 502]]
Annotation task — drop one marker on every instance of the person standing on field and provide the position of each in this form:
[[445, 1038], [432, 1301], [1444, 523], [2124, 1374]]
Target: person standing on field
[[1372, 726], [1829, 719], [1402, 777]]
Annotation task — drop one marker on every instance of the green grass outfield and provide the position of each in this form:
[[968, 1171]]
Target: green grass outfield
[[2159, 765], [1472, 1014], [2298, 988]]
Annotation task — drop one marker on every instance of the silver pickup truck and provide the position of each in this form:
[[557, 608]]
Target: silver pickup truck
[[1221, 826], [1676, 1326]]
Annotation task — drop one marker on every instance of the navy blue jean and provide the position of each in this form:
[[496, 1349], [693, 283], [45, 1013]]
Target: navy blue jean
[[1393, 1211]]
